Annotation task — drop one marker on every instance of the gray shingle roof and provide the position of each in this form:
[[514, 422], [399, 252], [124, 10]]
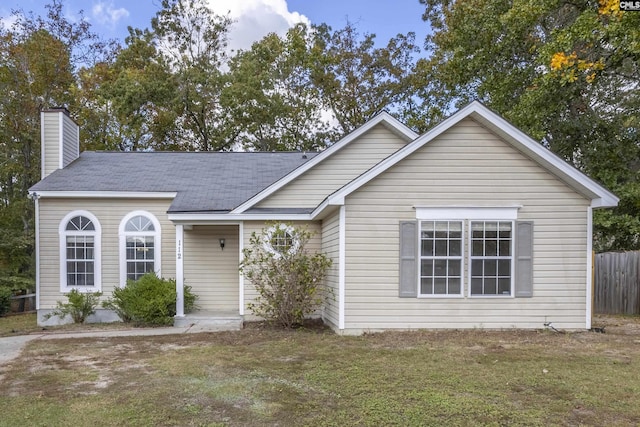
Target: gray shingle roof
[[205, 182]]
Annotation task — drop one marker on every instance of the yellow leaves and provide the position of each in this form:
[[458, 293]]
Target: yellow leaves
[[609, 8], [570, 67], [560, 60]]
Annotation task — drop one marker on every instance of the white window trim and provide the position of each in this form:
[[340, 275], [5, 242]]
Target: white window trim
[[157, 244], [462, 261], [461, 213], [97, 253], [513, 259]]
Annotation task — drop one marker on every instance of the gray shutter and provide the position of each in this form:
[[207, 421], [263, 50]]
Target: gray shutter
[[524, 259], [408, 259]]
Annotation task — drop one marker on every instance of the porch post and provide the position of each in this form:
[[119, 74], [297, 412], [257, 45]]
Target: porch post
[[179, 270]]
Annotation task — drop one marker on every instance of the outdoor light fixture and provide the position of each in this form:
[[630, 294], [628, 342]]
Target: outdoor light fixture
[[222, 244]]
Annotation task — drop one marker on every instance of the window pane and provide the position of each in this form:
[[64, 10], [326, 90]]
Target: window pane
[[148, 267], [440, 286], [476, 286], [442, 230], [504, 286], [441, 248], [455, 248], [491, 248], [427, 230], [477, 230], [427, 267], [490, 286], [476, 268], [427, 248], [504, 267], [490, 268], [454, 267], [505, 230], [505, 248], [440, 267], [454, 286], [478, 248], [490, 230], [455, 230], [426, 285]]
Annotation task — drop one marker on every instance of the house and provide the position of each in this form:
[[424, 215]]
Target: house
[[471, 225]]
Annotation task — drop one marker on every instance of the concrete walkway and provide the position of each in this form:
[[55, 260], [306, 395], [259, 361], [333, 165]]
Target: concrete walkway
[[11, 347]]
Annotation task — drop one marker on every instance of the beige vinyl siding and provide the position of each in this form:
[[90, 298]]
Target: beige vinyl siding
[[312, 187], [70, 141], [211, 271], [257, 227], [467, 165], [51, 142], [330, 246], [110, 213]]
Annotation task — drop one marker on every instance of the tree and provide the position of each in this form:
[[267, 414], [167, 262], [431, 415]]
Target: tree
[[565, 72], [355, 79], [128, 104], [192, 40], [39, 59], [273, 102]]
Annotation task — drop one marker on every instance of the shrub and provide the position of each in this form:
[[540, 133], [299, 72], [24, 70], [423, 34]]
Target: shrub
[[5, 300], [286, 276], [150, 300], [79, 305]]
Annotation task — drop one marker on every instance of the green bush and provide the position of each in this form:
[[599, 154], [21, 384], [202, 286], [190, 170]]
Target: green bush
[[150, 300], [80, 305], [5, 301], [286, 276]]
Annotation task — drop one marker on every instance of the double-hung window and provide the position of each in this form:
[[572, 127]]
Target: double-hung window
[[473, 251], [491, 257], [140, 246], [79, 252], [441, 257]]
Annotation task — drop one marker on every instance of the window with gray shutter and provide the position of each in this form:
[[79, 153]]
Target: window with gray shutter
[[524, 259], [408, 259]]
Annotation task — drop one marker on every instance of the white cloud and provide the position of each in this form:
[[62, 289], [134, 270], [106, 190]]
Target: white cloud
[[254, 19], [8, 21], [106, 14]]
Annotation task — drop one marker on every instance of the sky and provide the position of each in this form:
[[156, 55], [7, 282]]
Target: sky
[[254, 18]]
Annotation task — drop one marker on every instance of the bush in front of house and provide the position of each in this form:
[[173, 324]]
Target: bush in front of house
[[149, 301], [288, 278], [5, 300], [79, 306]]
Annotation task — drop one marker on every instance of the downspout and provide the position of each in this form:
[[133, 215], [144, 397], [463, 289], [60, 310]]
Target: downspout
[[35, 197], [589, 289], [341, 267]]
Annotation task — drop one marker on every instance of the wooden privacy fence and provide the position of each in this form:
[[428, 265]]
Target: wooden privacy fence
[[617, 283]]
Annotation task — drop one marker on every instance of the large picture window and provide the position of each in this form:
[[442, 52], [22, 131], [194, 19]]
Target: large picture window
[[79, 252], [140, 246], [491, 257], [441, 257]]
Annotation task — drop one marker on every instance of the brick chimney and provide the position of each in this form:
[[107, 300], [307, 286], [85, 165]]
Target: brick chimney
[[60, 139]]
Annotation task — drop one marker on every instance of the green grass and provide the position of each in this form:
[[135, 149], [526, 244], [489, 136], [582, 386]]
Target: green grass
[[18, 324], [310, 377]]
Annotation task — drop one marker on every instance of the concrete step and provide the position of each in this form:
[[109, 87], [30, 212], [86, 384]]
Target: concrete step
[[209, 321]]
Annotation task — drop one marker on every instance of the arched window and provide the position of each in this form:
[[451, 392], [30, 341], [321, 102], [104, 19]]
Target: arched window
[[80, 236], [139, 246]]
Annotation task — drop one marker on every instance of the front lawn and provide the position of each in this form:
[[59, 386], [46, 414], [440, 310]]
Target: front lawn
[[313, 377]]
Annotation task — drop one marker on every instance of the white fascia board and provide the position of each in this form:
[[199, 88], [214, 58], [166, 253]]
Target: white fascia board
[[230, 218], [598, 194], [384, 118], [105, 194]]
